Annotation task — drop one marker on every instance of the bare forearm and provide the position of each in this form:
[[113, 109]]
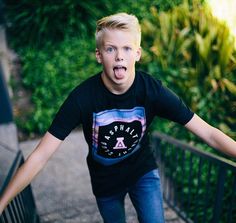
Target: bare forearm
[[212, 136], [22, 178], [36, 161], [223, 143]]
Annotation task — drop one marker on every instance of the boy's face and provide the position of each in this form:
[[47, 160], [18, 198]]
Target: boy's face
[[118, 53]]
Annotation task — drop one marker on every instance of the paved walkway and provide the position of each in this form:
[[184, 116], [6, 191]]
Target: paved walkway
[[62, 190]]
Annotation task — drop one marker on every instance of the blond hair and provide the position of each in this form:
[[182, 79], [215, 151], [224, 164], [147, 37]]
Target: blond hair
[[121, 21]]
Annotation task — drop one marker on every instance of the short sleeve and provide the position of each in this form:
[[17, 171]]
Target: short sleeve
[[170, 106], [67, 118]]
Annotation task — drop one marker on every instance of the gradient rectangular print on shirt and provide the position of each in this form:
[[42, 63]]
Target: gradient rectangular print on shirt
[[117, 133]]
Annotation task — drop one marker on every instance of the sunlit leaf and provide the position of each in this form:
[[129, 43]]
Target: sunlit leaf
[[230, 85]]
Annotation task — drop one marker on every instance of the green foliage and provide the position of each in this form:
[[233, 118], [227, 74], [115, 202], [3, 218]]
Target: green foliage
[[191, 51], [43, 21], [48, 21], [51, 73], [193, 54]]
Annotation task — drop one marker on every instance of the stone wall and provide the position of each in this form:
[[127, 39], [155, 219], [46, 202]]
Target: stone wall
[[8, 132], [4, 60]]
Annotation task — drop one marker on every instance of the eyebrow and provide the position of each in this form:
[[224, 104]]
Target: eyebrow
[[111, 45]]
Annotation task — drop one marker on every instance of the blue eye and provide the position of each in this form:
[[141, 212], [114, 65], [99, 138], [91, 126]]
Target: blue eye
[[127, 48], [109, 49]]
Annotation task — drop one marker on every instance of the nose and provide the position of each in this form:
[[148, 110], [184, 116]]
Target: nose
[[119, 55]]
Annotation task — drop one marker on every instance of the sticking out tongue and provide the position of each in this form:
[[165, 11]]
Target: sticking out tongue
[[119, 72]]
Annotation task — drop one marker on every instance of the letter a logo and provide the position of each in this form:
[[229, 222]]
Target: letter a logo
[[120, 143]]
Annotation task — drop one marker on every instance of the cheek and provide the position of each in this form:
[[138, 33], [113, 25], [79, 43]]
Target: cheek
[[107, 64], [133, 60], [107, 59]]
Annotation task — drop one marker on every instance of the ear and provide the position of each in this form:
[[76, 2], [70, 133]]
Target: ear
[[138, 54], [98, 56]]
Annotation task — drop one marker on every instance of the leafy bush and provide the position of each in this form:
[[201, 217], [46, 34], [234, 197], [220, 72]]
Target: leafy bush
[[47, 21], [40, 22], [191, 51], [51, 73]]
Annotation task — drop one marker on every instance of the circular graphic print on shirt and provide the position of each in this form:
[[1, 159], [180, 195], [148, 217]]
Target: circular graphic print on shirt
[[117, 133], [118, 138]]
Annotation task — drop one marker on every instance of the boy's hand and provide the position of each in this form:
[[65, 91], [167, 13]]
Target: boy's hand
[[1, 208]]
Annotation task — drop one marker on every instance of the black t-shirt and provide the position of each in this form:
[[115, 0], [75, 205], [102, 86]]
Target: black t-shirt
[[116, 127]]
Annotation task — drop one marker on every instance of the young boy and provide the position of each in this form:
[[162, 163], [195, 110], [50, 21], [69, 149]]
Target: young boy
[[115, 108]]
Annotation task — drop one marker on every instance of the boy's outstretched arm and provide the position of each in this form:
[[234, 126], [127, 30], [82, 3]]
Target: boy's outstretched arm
[[212, 136], [31, 167]]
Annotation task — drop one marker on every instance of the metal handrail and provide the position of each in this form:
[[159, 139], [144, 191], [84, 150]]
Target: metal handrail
[[13, 168], [214, 158], [198, 185], [22, 208], [6, 147]]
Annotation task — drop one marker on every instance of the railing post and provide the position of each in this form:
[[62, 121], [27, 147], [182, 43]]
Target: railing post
[[219, 195]]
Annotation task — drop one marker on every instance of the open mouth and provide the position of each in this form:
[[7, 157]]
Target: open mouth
[[119, 68], [119, 72]]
